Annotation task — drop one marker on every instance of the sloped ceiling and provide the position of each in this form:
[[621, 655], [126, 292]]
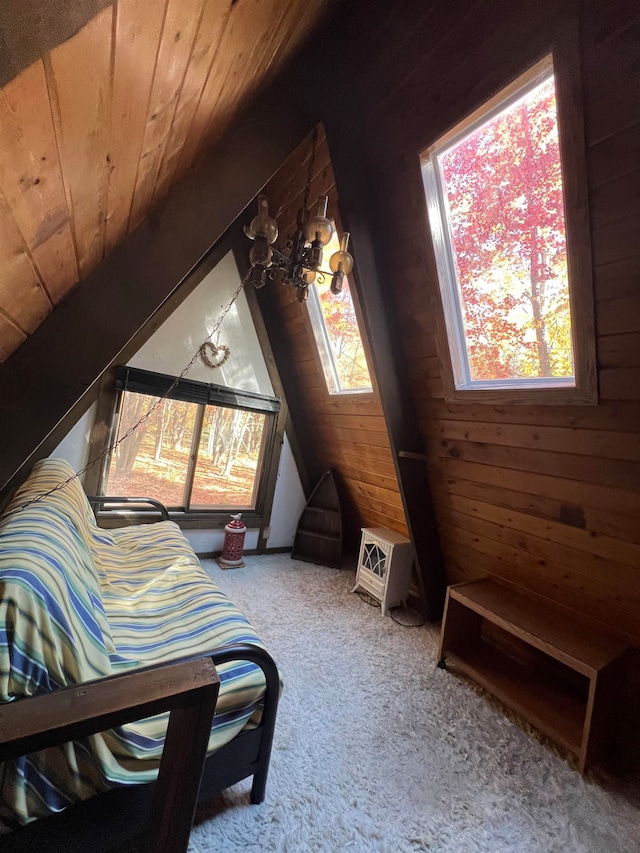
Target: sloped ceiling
[[104, 108]]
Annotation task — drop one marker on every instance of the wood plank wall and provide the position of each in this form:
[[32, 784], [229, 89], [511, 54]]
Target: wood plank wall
[[95, 132], [543, 497], [346, 432]]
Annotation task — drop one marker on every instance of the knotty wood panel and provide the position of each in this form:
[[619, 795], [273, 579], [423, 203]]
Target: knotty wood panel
[[546, 498], [22, 299], [619, 526], [239, 38], [31, 28], [205, 48], [617, 474], [98, 128], [254, 37], [180, 24], [138, 26], [31, 180], [568, 540], [470, 557], [620, 351], [576, 493], [10, 336], [599, 443], [348, 431], [261, 22], [79, 79]]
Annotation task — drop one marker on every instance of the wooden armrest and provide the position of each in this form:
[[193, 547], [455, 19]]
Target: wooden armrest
[[188, 689], [28, 725], [101, 500]]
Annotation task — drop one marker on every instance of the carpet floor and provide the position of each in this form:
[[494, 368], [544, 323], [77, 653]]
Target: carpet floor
[[378, 750]]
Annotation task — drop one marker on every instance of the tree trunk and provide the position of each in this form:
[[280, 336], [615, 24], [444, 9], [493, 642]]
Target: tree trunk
[[212, 446], [537, 304], [133, 407], [160, 425], [537, 283], [354, 362], [239, 426]]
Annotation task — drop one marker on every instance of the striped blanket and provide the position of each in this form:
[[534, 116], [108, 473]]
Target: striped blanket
[[78, 603]]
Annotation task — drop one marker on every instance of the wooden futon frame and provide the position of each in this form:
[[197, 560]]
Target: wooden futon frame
[[158, 815]]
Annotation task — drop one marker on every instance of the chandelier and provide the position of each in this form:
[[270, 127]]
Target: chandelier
[[298, 261]]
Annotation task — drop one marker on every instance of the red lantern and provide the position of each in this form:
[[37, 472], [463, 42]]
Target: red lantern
[[234, 532]]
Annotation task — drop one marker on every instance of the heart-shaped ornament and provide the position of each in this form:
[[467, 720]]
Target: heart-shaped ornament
[[214, 356]]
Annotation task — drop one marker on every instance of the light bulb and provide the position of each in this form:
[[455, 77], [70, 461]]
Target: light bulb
[[261, 254], [342, 261], [319, 227], [263, 225]]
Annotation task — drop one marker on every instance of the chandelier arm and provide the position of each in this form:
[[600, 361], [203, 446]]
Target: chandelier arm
[[280, 259]]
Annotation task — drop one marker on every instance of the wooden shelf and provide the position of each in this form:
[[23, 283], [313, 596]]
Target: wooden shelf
[[332, 536], [319, 534], [581, 648], [569, 693], [542, 701]]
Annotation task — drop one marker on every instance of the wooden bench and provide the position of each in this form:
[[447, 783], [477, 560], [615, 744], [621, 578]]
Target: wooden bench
[[567, 688]]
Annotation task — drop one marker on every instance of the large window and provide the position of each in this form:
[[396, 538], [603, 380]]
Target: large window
[[202, 449], [495, 194], [337, 336]]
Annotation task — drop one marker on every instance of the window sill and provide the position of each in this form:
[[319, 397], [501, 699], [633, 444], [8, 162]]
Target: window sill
[[212, 520], [524, 396], [358, 393]]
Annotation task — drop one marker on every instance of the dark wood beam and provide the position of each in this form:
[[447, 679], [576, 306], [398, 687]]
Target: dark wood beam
[[276, 348], [241, 247], [304, 451], [362, 216], [358, 212], [47, 384], [284, 423]]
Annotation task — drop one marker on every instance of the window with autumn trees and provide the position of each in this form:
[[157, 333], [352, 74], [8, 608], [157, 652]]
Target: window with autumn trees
[[496, 202], [337, 335], [203, 448]]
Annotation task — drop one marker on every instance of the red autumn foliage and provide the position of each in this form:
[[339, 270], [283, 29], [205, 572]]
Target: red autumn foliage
[[503, 186]]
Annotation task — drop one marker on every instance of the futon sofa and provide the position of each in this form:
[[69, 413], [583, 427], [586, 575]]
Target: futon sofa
[[80, 603]]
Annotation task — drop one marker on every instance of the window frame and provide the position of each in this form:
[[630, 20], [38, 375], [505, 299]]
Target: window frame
[[202, 394], [323, 348], [561, 60]]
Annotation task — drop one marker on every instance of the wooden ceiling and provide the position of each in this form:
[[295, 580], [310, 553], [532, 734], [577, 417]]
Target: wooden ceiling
[[95, 131]]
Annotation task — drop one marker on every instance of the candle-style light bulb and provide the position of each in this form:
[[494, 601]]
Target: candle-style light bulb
[[263, 225], [342, 261], [319, 227]]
